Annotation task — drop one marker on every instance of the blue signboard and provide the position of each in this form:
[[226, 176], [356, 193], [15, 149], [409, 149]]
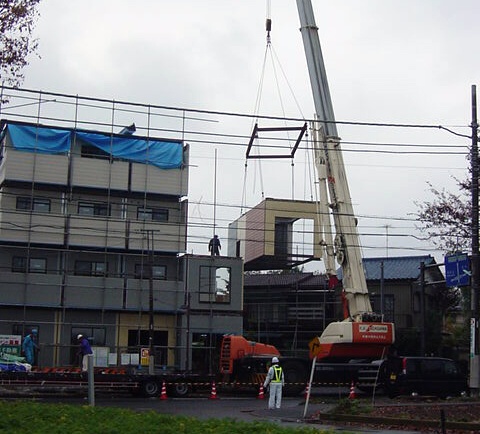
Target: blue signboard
[[457, 270]]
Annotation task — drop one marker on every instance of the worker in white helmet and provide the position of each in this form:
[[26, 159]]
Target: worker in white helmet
[[275, 379], [83, 351]]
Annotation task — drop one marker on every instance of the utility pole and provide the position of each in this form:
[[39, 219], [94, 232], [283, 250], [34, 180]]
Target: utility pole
[[149, 234], [382, 288], [151, 364], [423, 310], [474, 341]]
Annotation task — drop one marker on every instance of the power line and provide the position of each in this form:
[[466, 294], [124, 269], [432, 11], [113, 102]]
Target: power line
[[223, 113]]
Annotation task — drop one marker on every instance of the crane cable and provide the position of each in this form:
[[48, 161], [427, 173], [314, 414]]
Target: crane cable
[[269, 52], [268, 27]]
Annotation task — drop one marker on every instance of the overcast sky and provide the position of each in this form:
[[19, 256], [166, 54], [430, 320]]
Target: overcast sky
[[388, 61]]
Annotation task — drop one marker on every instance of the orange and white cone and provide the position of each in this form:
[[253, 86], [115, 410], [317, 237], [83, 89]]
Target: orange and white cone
[[261, 394], [352, 394], [163, 394], [213, 394]]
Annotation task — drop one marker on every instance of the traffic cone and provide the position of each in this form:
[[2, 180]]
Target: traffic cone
[[352, 394], [213, 394], [163, 395], [261, 394]]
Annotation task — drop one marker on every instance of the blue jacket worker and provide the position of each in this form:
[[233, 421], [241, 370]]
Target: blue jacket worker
[[84, 351], [29, 346], [276, 380]]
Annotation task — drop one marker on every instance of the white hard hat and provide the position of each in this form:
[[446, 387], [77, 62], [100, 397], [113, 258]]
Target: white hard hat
[[275, 360], [79, 336]]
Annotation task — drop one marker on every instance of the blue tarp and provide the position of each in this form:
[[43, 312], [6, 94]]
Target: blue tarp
[[163, 154], [166, 155], [36, 139], [12, 367]]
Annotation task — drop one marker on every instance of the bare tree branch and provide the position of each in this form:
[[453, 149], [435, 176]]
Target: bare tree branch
[[17, 20]]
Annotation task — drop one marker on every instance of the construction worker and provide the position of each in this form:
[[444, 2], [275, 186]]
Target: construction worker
[[275, 379], [29, 347], [214, 246], [84, 351]]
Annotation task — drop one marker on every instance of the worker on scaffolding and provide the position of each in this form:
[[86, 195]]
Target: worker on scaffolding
[[214, 246], [29, 347]]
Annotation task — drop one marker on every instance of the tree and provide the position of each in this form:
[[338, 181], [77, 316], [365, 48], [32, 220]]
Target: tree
[[447, 221], [447, 218], [17, 20]]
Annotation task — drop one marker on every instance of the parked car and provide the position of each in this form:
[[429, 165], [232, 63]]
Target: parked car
[[423, 376]]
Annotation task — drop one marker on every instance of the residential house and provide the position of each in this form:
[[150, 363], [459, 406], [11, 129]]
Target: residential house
[[288, 310]]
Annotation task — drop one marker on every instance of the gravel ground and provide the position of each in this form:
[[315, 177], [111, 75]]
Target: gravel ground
[[422, 411], [458, 412]]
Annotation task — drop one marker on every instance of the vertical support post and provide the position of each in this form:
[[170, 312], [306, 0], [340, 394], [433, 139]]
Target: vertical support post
[[382, 287], [215, 197], [91, 380], [312, 371], [443, 426], [151, 360], [474, 344], [423, 308]]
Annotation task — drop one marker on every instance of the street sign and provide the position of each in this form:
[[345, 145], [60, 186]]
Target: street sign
[[314, 346], [457, 270]]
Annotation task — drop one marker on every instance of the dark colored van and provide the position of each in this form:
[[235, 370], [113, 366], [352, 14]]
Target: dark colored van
[[434, 376]]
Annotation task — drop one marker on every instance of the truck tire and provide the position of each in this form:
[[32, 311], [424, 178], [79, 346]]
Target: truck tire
[[179, 390], [150, 388], [296, 377]]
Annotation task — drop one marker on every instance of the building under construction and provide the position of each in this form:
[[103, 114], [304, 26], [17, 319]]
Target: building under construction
[[93, 235]]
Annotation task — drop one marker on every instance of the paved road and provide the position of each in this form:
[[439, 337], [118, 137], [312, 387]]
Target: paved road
[[244, 408]]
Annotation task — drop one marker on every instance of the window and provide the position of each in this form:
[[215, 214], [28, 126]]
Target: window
[[22, 329], [95, 335], [417, 303], [19, 264], [159, 272], [141, 338], [2, 146], [33, 204], [154, 214], [388, 306], [93, 209], [36, 265], [215, 284], [89, 151], [206, 352], [90, 268]]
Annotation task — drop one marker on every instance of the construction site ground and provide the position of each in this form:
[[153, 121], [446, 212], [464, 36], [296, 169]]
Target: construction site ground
[[410, 413]]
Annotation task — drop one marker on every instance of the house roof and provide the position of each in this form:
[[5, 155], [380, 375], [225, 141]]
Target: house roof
[[394, 268], [286, 280]]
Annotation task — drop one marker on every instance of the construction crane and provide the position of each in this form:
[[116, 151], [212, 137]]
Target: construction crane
[[362, 333]]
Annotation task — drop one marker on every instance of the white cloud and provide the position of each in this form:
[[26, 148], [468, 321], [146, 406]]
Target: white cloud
[[387, 61]]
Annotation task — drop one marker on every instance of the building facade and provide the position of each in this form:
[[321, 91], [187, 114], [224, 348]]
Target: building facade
[[288, 310], [93, 235]]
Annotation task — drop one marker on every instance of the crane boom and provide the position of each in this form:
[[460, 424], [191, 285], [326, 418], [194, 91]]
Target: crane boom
[[346, 246]]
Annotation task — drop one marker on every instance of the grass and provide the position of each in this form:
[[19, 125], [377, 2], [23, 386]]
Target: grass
[[349, 406], [26, 417]]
